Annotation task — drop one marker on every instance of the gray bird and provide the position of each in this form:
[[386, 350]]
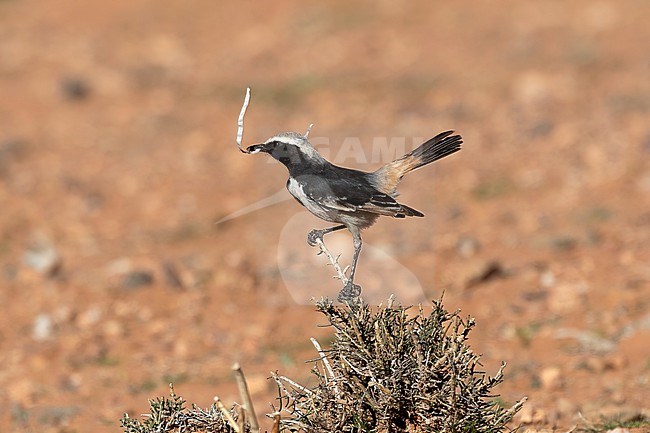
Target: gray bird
[[352, 198]]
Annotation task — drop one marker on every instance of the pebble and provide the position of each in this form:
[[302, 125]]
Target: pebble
[[74, 88], [565, 297], [137, 279], [89, 317], [484, 272], [467, 246], [600, 364], [43, 257], [175, 277], [547, 279], [551, 378], [71, 382], [564, 243], [43, 327]]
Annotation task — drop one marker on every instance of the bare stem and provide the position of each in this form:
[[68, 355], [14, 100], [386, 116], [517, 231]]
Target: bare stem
[[294, 384], [241, 418], [246, 397], [326, 364], [276, 423], [226, 414]]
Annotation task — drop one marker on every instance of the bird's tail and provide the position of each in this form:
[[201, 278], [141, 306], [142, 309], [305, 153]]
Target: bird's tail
[[443, 144]]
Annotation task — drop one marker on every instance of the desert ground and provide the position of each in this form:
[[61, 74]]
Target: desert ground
[[139, 247]]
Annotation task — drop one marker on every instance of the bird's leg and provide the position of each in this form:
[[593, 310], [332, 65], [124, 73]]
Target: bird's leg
[[352, 291], [315, 234]]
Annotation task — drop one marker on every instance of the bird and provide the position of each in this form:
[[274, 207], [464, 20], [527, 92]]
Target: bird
[[353, 199]]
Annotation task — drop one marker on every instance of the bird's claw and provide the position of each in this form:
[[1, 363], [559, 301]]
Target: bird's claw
[[314, 236], [350, 292]]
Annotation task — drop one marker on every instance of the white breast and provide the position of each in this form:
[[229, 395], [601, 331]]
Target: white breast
[[296, 190]]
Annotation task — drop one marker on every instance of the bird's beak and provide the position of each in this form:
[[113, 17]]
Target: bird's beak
[[256, 148]]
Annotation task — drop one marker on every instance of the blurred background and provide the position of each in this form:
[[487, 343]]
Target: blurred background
[[117, 157]]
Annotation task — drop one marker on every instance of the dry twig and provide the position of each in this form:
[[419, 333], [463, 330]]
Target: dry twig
[[240, 120], [334, 261], [326, 364], [226, 414], [246, 397]]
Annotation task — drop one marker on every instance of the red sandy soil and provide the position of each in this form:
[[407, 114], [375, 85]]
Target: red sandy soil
[[117, 157]]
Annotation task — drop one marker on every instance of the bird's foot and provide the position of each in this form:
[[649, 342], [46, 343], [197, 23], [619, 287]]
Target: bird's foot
[[314, 236], [350, 292]]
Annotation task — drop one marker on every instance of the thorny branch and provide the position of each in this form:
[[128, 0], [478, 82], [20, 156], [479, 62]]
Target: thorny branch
[[326, 365], [334, 261]]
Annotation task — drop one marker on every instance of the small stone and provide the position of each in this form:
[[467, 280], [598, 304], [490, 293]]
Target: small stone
[[43, 257], [43, 327], [75, 88], [600, 364], [89, 318], [175, 277], [534, 295], [71, 382], [137, 279], [566, 297], [467, 246], [547, 279], [563, 243], [595, 364], [118, 267], [484, 272], [551, 378], [617, 362]]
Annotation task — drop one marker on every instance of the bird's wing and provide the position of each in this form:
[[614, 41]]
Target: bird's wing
[[351, 195], [384, 204]]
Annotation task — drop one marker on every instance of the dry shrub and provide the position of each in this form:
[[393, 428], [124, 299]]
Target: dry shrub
[[170, 415], [388, 371]]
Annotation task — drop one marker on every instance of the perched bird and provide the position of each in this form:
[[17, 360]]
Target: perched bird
[[352, 198]]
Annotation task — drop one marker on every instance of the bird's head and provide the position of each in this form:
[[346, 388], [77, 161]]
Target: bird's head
[[290, 148]]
